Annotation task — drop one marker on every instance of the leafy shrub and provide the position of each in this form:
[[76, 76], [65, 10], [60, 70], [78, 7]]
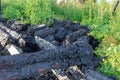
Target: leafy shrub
[[31, 11]]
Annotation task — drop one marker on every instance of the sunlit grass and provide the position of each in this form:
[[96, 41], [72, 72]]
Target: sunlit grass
[[30, 11]]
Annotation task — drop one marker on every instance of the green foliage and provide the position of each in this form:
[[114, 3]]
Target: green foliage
[[31, 11], [111, 65]]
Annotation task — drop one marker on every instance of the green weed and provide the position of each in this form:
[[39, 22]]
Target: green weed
[[30, 11]]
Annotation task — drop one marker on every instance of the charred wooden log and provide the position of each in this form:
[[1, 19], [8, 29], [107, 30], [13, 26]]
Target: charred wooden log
[[8, 35], [45, 32], [74, 36], [9, 32], [24, 72], [61, 33], [29, 70], [42, 43], [69, 52]]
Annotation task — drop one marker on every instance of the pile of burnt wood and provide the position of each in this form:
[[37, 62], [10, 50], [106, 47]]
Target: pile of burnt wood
[[62, 51]]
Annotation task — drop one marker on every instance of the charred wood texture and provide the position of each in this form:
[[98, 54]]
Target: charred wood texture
[[41, 49], [29, 70], [8, 35], [93, 75], [42, 43], [75, 35], [69, 52], [45, 32], [32, 29]]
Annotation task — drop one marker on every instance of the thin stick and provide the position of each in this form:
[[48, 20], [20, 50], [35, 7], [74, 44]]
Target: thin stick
[[115, 7]]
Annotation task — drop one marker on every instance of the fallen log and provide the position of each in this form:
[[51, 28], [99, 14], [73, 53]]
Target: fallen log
[[9, 32], [44, 32], [8, 38], [11, 37], [13, 73], [29, 70], [8, 35], [41, 56], [74, 36], [42, 43], [68, 52]]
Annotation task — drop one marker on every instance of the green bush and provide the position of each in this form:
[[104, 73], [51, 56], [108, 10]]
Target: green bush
[[30, 11]]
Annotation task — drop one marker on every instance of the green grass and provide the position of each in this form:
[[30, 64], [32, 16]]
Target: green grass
[[30, 11], [105, 26]]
